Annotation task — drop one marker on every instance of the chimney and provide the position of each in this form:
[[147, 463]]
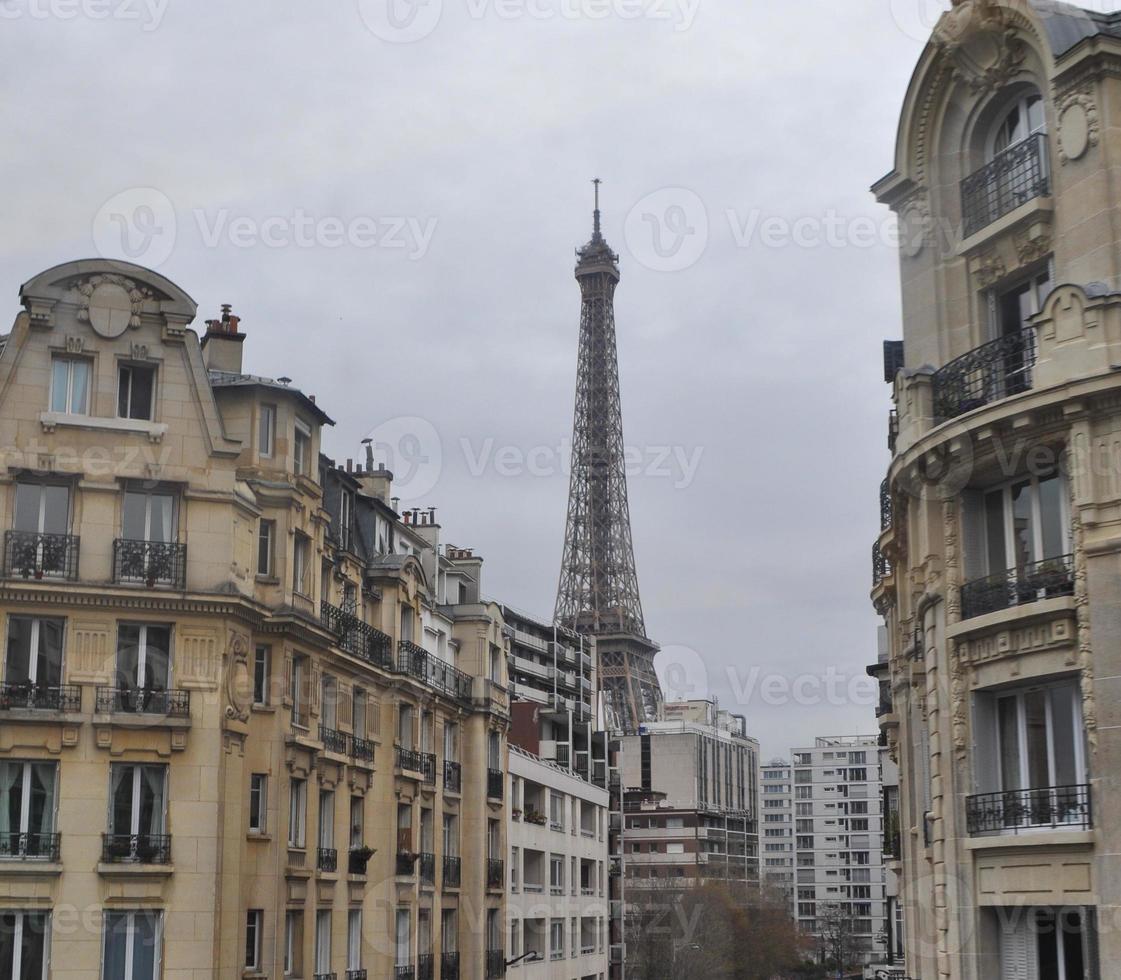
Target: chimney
[[375, 480], [222, 343]]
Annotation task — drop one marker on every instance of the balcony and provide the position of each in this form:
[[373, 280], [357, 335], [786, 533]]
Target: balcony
[[324, 976], [359, 974], [136, 848], [404, 973], [495, 964], [406, 862], [326, 859], [417, 662], [37, 556], [26, 696], [424, 966], [1018, 586], [881, 567], [150, 563], [427, 865], [361, 749], [333, 741], [357, 637], [424, 763], [358, 859], [1011, 811], [496, 781], [496, 873], [30, 847], [449, 966], [143, 701], [452, 871], [1013, 178], [887, 507], [989, 373], [453, 776]]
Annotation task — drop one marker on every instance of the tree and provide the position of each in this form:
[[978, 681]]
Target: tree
[[837, 936]]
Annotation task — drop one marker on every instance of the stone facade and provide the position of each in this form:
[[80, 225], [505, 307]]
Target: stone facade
[[997, 569], [243, 730]]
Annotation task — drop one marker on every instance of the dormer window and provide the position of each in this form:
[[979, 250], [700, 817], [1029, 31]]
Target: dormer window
[[301, 449], [136, 388], [70, 386]]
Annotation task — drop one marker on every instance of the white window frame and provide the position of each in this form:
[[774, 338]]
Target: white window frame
[[354, 939], [262, 674], [17, 939], [323, 926], [70, 362], [142, 650], [301, 564], [266, 431], [259, 788], [130, 941], [1008, 517], [25, 793], [137, 779], [254, 923], [266, 534], [301, 461], [124, 367], [291, 918], [297, 813]]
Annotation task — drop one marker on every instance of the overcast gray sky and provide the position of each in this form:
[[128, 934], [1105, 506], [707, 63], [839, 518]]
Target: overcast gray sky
[[390, 198]]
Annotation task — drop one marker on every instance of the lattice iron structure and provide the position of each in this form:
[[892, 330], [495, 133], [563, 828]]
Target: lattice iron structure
[[598, 591]]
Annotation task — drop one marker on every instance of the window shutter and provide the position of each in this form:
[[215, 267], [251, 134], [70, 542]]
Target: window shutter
[[343, 699], [986, 771], [373, 715], [1019, 958], [288, 678], [973, 534]]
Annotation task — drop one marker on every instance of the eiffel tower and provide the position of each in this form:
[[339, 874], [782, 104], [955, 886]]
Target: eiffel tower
[[598, 591]]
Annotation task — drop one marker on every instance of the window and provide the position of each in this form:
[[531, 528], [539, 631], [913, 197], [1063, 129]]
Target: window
[[358, 712], [323, 941], [1025, 118], [137, 809], [301, 564], [358, 821], [403, 944], [262, 656], [132, 945], [258, 802], [354, 939], [449, 931], [42, 515], [301, 449], [143, 657], [329, 701], [298, 692], [556, 939], [148, 516], [266, 431], [24, 942], [297, 812], [70, 386], [136, 389], [27, 809], [293, 943], [254, 919], [556, 874], [266, 547], [346, 518], [405, 725], [34, 652], [326, 820]]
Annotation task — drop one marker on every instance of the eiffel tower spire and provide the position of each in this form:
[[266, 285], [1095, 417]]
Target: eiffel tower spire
[[598, 591]]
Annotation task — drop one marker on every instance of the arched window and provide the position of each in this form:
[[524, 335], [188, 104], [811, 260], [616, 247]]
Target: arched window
[[1024, 118]]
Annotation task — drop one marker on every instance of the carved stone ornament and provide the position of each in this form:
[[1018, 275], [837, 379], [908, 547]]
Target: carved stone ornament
[[1082, 618], [1079, 126], [1032, 244], [915, 226], [239, 683], [989, 269], [112, 303], [976, 37]]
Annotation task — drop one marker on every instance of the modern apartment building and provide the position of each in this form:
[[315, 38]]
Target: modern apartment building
[[252, 721], [997, 567], [691, 799], [557, 907], [830, 842]]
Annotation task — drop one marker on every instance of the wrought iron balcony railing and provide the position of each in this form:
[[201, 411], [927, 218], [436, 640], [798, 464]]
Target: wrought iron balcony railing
[[453, 775], [150, 563], [886, 506], [1014, 177], [26, 696], [327, 859], [334, 740], [427, 866], [30, 847], [138, 848], [428, 767], [452, 870], [358, 859], [421, 762], [143, 701], [496, 873], [881, 567], [324, 976], [28, 554], [996, 370], [496, 963], [449, 966], [357, 637], [496, 781], [406, 863], [404, 972], [424, 966], [361, 749], [1018, 586], [1056, 808], [417, 662], [359, 974]]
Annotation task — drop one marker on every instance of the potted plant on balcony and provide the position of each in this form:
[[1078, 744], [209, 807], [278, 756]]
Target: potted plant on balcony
[[359, 858], [120, 848], [147, 850], [1050, 577]]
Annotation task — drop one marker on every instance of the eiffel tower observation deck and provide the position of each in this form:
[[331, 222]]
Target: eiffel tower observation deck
[[598, 591]]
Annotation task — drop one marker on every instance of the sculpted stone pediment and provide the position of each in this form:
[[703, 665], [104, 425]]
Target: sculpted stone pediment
[[978, 39]]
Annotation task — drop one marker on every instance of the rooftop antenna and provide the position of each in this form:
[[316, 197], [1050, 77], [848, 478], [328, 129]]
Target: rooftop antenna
[[596, 181]]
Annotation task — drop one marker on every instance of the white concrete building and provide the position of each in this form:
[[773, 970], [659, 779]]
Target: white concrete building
[[823, 841], [557, 904]]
